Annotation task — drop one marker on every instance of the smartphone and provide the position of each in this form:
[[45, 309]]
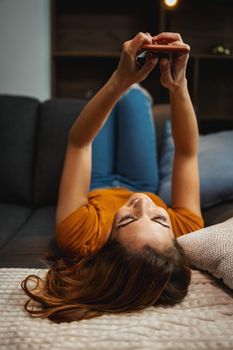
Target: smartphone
[[166, 49], [160, 51]]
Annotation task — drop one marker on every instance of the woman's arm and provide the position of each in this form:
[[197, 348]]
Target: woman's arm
[[76, 174], [185, 175], [94, 115]]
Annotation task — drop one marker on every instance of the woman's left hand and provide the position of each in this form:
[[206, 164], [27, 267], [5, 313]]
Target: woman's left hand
[[173, 71]]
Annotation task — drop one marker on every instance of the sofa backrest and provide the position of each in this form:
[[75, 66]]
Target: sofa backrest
[[55, 120], [18, 123], [33, 139]]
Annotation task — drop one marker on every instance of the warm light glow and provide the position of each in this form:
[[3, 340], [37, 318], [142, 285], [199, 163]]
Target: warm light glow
[[170, 3]]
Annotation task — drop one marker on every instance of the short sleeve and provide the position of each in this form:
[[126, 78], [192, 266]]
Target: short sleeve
[[78, 234], [184, 221]]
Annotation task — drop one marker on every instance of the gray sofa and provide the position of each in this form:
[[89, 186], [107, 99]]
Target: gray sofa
[[33, 138]]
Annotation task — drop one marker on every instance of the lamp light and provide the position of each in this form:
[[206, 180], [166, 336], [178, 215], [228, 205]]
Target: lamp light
[[170, 3]]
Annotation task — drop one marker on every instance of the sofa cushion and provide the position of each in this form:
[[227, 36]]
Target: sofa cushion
[[31, 242], [210, 249], [56, 118], [218, 213], [12, 218], [18, 121], [215, 165]]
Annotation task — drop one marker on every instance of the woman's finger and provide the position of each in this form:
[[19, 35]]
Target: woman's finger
[[144, 70], [177, 42], [167, 37], [148, 67], [136, 43]]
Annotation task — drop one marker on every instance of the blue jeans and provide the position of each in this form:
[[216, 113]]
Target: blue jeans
[[124, 151]]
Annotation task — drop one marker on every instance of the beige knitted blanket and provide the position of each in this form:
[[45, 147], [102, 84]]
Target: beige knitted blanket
[[204, 320]]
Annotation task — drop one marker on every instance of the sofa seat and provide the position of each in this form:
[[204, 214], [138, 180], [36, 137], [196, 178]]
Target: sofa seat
[[12, 218], [32, 240]]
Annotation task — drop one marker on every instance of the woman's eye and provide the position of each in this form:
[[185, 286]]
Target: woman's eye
[[160, 217], [126, 217]]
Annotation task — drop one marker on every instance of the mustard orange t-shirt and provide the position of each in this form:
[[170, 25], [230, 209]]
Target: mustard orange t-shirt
[[85, 230]]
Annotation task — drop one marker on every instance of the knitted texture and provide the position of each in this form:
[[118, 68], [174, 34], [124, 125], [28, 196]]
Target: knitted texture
[[211, 249], [204, 320]]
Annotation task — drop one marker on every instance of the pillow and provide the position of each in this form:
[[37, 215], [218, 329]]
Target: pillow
[[211, 249], [215, 167]]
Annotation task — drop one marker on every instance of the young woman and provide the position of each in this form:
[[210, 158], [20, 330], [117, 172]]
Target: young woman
[[119, 237]]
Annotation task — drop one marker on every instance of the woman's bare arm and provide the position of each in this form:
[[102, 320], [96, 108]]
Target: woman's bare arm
[[185, 177], [185, 174], [76, 174]]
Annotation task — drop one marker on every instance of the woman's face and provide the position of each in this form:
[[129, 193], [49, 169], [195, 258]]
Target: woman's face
[[141, 222]]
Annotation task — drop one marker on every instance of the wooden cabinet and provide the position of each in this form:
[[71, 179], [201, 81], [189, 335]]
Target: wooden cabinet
[[87, 38], [205, 24]]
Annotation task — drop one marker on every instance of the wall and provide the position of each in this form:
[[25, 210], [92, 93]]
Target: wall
[[25, 48]]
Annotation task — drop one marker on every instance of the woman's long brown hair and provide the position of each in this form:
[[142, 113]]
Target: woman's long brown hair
[[112, 280]]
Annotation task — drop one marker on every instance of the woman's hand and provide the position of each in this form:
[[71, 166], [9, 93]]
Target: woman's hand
[[173, 71], [128, 72]]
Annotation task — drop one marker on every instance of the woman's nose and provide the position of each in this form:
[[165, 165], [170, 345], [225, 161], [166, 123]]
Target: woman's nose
[[141, 205]]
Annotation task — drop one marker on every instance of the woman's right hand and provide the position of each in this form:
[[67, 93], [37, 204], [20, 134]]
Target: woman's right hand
[[128, 72], [173, 71]]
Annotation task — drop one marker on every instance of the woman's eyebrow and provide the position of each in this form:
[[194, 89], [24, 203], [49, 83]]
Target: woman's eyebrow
[[132, 220]]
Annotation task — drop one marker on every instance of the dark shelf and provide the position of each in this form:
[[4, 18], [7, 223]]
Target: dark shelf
[[208, 56], [90, 53], [93, 54], [87, 38]]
